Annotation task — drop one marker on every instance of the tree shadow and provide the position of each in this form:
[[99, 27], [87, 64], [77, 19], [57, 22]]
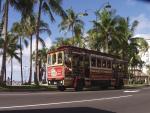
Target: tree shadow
[[61, 110]]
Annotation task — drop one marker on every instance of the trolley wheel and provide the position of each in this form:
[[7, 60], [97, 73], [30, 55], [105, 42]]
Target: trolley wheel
[[120, 84], [61, 88], [79, 86], [104, 87]]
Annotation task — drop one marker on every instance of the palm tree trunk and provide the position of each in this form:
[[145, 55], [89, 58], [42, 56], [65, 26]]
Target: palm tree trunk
[[21, 61], [3, 68], [106, 44], [11, 69], [44, 73], [30, 76], [73, 36], [37, 37]]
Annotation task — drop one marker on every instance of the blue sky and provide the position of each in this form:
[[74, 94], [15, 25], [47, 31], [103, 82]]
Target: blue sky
[[133, 9], [126, 8]]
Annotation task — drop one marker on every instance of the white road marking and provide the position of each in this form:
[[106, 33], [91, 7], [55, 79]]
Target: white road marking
[[67, 102], [131, 91]]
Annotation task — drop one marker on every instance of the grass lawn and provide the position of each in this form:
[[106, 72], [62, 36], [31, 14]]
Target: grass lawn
[[27, 88]]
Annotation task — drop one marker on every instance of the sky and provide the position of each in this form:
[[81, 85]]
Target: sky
[[135, 10]]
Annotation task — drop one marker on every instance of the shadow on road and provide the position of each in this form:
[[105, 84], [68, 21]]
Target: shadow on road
[[61, 110]]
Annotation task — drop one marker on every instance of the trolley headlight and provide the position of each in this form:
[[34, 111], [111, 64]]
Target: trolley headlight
[[61, 82]]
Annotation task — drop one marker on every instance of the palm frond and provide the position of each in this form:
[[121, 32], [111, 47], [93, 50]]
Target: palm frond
[[42, 42]]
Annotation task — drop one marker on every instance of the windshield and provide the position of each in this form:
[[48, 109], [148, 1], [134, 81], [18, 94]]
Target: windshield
[[55, 58]]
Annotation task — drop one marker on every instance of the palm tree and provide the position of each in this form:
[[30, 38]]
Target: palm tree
[[43, 59], [127, 39], [104, 29], [130, 46], [30, 30], [12, 48], [73, 23], [3, 68], [18, 29], [136, 46], [60, 41], [50, 7], [25, 7], [42, 53]]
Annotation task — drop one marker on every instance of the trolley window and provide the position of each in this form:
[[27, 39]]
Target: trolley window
[[108, 64], [53, 59], [93, 61], [104, 63], [49, 59], [60, 58], [68, 60], [98, 62]]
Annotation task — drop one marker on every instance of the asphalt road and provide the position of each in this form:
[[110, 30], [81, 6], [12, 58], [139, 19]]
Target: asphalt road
[[110, 101]]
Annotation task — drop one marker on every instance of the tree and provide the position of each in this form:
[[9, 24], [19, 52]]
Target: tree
[[49, 7], [42, 53], [103, 31], [25, 7], [18, 30], [61, 41], [12, 48], [130, 46], [73, 23], [29, 24]]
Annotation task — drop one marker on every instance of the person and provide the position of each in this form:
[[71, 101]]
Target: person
[[8, 81]]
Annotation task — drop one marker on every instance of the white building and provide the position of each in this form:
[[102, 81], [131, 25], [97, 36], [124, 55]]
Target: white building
[[145, 56]]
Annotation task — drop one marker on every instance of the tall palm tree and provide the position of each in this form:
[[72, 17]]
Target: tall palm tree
[[49, 7], [30, 30], [18, 29], [104, 28], [3, 68], [129, 46], [73, 23], [127, 39], [12, 48], [25, 7]]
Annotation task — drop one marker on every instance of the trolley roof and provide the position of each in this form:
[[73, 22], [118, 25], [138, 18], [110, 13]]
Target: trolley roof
[[84, 51]]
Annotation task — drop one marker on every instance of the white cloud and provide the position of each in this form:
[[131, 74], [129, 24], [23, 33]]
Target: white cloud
[[145, 36], [130, 2], [144, 23], [48, 43]]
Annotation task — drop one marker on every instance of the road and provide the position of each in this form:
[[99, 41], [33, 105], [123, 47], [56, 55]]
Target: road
[[110, 101]]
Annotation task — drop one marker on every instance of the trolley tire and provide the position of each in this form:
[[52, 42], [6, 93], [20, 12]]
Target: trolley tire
[[61, 88], [79, 86], [120, 85]]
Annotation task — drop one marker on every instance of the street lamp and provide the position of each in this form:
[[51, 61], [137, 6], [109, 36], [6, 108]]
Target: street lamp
[[83, 14], [104, 6]]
